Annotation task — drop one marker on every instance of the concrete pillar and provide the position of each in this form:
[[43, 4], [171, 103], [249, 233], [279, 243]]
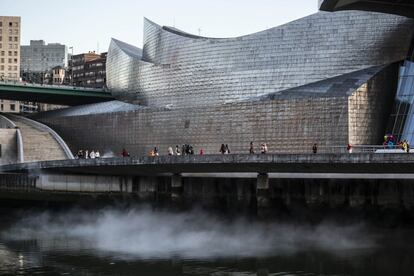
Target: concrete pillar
[[176, 188], [262, 194]]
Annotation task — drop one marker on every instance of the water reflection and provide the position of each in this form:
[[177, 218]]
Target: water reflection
[[115, 242]]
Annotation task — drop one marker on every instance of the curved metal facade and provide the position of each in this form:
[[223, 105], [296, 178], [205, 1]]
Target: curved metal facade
[[181, 70], [328, 78]]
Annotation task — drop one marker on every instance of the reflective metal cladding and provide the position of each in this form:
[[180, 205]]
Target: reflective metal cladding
[[329, 78], [176, 69]]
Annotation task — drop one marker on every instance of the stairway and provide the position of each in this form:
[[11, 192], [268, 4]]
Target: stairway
[[38, 145]]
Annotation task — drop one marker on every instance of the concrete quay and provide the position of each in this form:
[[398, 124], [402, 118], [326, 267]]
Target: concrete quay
[[358, 164], [263, 184]]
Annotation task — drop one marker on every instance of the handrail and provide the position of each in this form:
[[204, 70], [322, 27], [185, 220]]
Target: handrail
[[19, 139], [14, 83], [358, 148], [20, 150], [56, 136], [9, 122]]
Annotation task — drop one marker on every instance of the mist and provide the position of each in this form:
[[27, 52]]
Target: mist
[[144, 233]]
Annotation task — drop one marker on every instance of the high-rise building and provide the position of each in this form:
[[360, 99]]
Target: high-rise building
[[9, 56], [39, 57]]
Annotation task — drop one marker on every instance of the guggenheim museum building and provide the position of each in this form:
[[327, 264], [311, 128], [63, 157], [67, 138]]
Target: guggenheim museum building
[[342, 75]]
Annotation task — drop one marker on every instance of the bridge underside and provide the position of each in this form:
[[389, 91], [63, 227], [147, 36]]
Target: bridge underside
[[399, 7], [53, 96]]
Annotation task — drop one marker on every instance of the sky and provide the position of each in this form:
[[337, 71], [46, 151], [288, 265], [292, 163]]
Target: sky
[[89, 25]]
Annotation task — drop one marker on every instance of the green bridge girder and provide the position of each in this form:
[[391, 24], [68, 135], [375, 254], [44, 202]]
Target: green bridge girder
[[54, 95]]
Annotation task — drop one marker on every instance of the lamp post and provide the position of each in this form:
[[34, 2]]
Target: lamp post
[[71, 66]]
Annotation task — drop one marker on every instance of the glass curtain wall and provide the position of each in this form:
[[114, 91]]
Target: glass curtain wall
[[401, 123]]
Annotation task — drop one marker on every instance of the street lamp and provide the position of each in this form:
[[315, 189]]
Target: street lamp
[[71, 66]]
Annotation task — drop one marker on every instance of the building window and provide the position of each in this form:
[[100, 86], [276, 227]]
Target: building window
[[10, 24], [15, 60], [1, 45], [2, 60], [10, 31], [15, 39], [15, 68], [15, 53], [10, 53], [2, 107], [12, 107], [16, 24], [10, 60], [2, 53], [2, 67], [1, 38], [16, 32], [1, 24], [10, 39]]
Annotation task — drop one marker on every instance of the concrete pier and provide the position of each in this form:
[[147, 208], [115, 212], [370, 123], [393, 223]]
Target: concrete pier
[[176, 189], [263, 194]]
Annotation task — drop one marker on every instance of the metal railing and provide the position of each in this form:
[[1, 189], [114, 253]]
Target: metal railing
[[66, 87], [360, 149]]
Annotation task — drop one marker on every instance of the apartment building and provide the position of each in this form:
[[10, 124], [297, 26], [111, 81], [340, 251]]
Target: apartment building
[[9, 57]]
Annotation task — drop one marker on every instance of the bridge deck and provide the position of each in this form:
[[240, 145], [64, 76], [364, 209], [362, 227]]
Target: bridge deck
[[54, 95], [374, 164]]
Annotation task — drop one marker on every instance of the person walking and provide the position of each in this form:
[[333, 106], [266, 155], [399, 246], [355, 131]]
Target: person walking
[[177, 150], [315, 148], [264, 148], [201, 152], [156, 151], [227, 151], [125, 153], [349, 148], [223, 149], [251, 150], [92, 154], [97, 154], [170, 151]]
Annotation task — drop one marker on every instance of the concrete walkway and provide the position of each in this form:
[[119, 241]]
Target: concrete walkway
[[38, 145], [359, 165]]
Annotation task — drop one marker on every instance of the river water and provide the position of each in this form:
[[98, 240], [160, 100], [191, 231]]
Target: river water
[[142, 241]]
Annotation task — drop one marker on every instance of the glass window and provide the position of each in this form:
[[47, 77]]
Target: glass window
[[10, 24], [12, 107]]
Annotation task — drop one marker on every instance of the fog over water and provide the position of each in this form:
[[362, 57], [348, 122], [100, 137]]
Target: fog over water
[[143, 233]]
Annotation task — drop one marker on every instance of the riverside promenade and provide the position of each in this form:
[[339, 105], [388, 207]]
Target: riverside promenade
[[374, 164]]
